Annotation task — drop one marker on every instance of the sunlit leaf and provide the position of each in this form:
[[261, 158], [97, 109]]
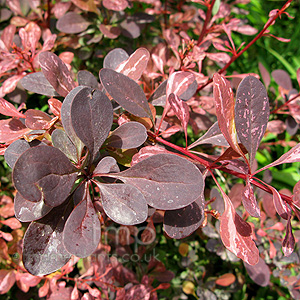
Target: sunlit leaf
[[226, 279], [249, 201], [37, 120], [72, 22], [7, 109], [288, 244]]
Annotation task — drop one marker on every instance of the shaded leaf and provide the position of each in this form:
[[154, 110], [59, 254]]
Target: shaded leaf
[[127, 136], [11, 130], [291, 125], [226, 279], [249, 201], [282, 78], [167, 181], [126, 92], [106, 165], [43, 249], [7, 109], [37, 176], [180, 223], [82, 231], [123, 203], [27, 211], [14, 150], [130, 28], [72, 22], [251, 114], [86, 78], [62, 141], [235, 194], [259, 273], [114, 58], [288, 244], [109, 31], [37, 83], [57, 73], [92, 121], [265, 75], [158, 98], [236, 234]]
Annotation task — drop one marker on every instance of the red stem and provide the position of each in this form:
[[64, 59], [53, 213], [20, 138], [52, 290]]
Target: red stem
[[237, 55], [207, 19], [284, 104]]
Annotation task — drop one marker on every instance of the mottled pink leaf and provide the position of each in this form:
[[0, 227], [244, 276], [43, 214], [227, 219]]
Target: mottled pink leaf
[[14, 5], [116, 5], [10, 84], [222, 58], [181, 110], [282, 78], [60, 8], [11, 130], [43, 290], [288, 244], [7, 109], [33, 33], [8, 35], [7, 280], [72, 22], [236, 234], [260, 273], [56, 73], [179, 82], [147, 152], [251, 114], [26, 281]]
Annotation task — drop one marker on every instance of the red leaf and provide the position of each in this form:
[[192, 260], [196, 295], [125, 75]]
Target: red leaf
[[26, 280], [288, 243], [11, 130], [8, 35], [10, 84], [37, 120], [60, 8], [147, 152], [272, 250], [14, 5], [7, 280], [55, 106], [226, 279], [249, 201], [7, 109], [43, 290], [236, 234], [179, 82], [66, 57], [13, 223], [181, 110]]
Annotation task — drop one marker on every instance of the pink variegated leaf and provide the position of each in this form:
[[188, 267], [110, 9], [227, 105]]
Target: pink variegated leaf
[[7, 236], [44, 289], [236, 234], [8, 35], [10, 84], [135, 65], [55, 106], [179, 82], [34, 34], [26, 280], [181, 110], [11, 130], [273, 250], [222, 58], [158, 62], [296, 195], [288, 243], [49, 42], [282, 209], [14, 5], [224, 102], [7, 109], [147, 152], [249, 201], [293, 155]]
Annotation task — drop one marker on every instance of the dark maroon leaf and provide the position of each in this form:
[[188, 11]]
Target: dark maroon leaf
[[11, 130], [249, 201], [66, 119], [44, 172], [43, 249], [293, 155], [62, 141], [37, 83], [91, 121], [114, 58], [251, 114], [288, 244], [282, 78], [126, 92], [135, 65], [236, 234], [158, 98], [180, 223], [82, 230], [57, 73], [291, 125], [37, 120], [212, 136], [259, 273], [86, 78], [27, 211], [130, 29], [14, 150], [127, 136], [106, 165], [123, 203], [167, 181], [72, 22]]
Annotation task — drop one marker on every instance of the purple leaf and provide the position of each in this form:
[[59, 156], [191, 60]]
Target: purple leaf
[[265, 75], [251, 114], [158, 98], [180, 223], [181, 110], [130, 28], [126, 92], [236, 234], [293, 155], [114, 58], [212, 136], [259, 273], [135, 65], [91, 121], [288, 244], [61, 141], [86, 78], [106, 165], [249, 201], [167, 181], [291, 125], [127, 136], [37, 83], [57, 73], [282, 78], [27, 211], [82, 231], [43, 249], [72, 22], [123, 203], [44, 172]]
